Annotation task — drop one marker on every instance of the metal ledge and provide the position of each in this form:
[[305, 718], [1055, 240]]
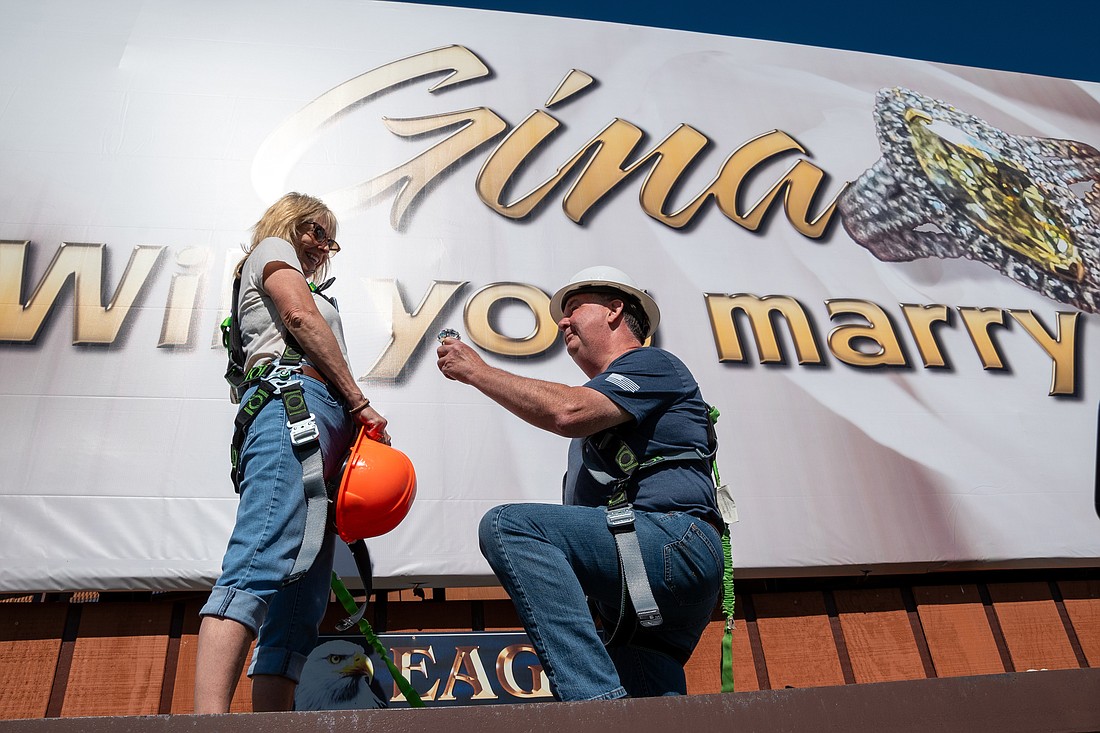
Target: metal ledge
[[1048, 701]]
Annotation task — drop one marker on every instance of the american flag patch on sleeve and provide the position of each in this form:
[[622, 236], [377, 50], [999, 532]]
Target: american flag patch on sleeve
[[623, 382]]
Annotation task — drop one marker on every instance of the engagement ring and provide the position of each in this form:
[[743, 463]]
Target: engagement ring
[[448, 333], [950, 184]]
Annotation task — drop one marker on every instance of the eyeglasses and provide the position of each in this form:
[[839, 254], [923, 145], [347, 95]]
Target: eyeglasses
[[321, 236]]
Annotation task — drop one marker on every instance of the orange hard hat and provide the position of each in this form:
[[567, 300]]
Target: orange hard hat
[[376, 491]]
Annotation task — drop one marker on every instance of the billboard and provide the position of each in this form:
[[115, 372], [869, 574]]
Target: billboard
[[882, 271]]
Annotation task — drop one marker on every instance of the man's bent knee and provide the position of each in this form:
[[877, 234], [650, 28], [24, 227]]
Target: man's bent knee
[[488, 535]]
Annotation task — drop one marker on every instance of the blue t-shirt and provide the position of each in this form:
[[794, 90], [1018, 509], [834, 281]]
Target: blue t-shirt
[[670, 417]]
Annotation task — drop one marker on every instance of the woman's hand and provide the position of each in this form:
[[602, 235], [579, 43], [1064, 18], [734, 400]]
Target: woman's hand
[[291, 294], [374, 425]]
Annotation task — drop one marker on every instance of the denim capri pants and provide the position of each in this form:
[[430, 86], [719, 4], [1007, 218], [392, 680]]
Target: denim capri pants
[[268, 533]]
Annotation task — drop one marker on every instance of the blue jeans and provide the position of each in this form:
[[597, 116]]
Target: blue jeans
[[552, 558], [268, 533]]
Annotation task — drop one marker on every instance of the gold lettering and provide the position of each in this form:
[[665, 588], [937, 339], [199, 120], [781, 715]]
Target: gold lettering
[[92, 322], [402, 657], [978, 322], [502, 163], [183, 297], [407, 329], [921, 319], [672, 157], [573, 83], [285, 146], [469, 659], [799, 186], [606, 169], [474, 128], [607, 152], [478, 318], [848, 341], [760, 311], [506, 673], [844, 339], [1061, 347]]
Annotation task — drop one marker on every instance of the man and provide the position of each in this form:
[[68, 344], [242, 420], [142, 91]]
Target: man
[[640, 402]]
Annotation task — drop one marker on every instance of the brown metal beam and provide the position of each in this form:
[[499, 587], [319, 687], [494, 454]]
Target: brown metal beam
[[1063, 701]]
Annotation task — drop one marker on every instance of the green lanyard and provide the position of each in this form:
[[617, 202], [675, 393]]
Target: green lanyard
[[348, 603], [727, 584]]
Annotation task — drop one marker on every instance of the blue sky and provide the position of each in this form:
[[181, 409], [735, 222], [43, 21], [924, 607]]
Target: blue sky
[[1051, 39]]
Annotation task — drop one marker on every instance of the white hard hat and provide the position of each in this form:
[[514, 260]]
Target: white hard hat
[[604, 277]]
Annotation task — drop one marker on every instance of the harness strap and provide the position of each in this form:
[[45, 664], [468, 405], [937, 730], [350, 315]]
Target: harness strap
[[625, 633], [620, 520], [648, 641], [361, 554], [313, 479], [281, 379]]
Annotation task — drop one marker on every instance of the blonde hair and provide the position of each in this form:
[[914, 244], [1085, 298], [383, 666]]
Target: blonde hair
[[283, 218]]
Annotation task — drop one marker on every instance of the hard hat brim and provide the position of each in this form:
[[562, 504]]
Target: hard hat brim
[[557, 302]]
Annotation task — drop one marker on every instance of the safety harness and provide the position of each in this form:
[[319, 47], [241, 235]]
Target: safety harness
[[613, 463], [279, 379]]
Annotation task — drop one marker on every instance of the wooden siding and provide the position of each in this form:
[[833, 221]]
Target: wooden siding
[[134, 654]]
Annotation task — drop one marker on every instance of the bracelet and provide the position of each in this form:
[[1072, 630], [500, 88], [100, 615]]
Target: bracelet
[[359, 408]]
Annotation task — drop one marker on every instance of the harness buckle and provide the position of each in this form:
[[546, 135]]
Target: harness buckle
[[282, 378], [650, 619], [621, 519], [278, 385], [304, 432]]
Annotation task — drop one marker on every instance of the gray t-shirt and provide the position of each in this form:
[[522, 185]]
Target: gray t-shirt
[[263, 334]]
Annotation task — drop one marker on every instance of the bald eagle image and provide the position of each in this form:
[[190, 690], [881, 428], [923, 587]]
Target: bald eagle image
[[338, 675]]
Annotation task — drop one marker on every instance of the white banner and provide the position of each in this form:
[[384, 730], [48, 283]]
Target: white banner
[[921, 399]]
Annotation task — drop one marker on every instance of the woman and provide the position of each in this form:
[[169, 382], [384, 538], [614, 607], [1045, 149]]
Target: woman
[[291, 245]]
